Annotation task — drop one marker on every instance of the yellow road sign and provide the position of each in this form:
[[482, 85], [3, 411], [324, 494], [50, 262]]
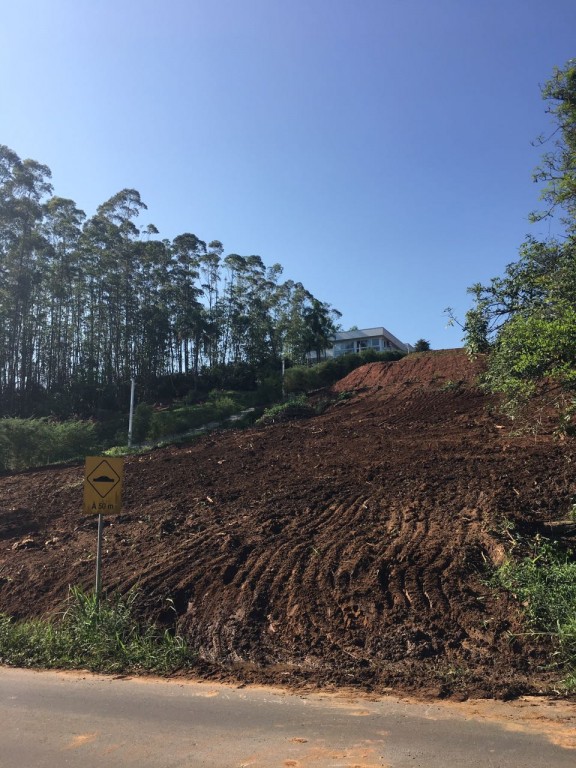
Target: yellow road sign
[[103, 485]]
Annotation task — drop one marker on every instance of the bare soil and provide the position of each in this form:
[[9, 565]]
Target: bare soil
[[351, 548]]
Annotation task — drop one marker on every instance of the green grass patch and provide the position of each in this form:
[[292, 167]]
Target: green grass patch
[[545, 584], [182, 418], [102, 636]]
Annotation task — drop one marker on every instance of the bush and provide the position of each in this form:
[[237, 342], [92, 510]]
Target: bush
[[295, 408], [141, 422], [306, 379], [32, 442], [301, 379], [544, 585]]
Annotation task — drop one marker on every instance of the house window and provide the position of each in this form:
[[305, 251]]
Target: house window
[[368, 344], [343, 348]]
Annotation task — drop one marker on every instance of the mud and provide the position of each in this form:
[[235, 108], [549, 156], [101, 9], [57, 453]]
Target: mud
[[351, 548]]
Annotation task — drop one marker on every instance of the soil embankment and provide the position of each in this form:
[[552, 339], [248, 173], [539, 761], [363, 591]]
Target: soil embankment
[[350, 548]]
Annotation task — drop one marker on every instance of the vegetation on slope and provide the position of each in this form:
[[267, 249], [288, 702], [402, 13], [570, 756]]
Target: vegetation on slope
[[543, 581], [526, 320], [99, 635]]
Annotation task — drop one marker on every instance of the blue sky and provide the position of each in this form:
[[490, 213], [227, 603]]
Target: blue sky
[[380, 150]]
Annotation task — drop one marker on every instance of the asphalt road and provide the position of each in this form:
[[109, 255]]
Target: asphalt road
[[52, 720]]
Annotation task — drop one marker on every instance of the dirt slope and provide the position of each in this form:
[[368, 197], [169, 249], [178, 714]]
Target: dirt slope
[[349, 548]]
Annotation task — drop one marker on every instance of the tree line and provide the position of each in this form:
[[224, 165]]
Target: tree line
[[87, 303]]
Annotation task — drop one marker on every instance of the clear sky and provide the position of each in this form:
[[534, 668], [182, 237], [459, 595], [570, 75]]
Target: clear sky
[[380, 150]]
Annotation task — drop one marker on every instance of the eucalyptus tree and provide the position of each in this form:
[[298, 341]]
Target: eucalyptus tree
[[189, 316], [210, 274], [113, 256], [63, 291], [263, 342], [231, 309], [86, 303], [152, 337], [319, 327], [23, 186], [310, 325]]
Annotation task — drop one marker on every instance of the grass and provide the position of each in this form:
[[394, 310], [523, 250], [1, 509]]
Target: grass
[[545, 584], [102, 636], [296, 407]]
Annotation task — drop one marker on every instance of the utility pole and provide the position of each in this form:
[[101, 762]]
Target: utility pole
[[131, 416]]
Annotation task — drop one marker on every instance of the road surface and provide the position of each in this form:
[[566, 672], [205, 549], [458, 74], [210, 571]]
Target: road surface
[[52, 720]]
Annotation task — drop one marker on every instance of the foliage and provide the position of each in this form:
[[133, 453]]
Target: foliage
[[183, 418], [141, 422], [103, 636], [33, 442], [544, 585], [422, 345], [87, 303], [526, 319], [295, 408], [28, 443], [534, 345], [558, 167], [309, 378]]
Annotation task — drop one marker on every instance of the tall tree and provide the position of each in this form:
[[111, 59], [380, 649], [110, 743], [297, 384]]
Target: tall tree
[[64, 297], [558, 167], [87, 303], [189, 317], [24, 185], [526, 319]]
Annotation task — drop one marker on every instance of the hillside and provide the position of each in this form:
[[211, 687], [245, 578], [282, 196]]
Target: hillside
[[349, 548]]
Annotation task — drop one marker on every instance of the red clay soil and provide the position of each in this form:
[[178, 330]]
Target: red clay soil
[[350, 548]]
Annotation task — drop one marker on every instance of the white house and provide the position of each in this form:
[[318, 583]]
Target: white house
[[378, 339]]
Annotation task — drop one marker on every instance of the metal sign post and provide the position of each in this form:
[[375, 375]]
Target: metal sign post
[[98, 587], [103, 478]]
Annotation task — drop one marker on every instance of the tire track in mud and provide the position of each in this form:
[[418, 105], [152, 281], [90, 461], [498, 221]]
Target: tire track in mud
[[353, 583], [341, 570]]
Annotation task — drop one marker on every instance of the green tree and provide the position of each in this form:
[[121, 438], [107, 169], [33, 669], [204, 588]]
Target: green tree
[[63, 292], [24, 185], [526, 318], [319, 326], [422, 345], [558, 166], [87, 303]]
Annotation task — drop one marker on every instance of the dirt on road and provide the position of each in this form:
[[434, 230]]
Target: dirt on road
[[350, 548]]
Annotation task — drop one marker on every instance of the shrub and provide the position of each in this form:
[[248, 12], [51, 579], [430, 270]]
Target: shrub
[[295, 408], [305, 379], [544, 585], [32, 442], [141, 422]]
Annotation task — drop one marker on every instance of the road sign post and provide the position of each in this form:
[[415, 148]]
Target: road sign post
[[98, 586], [103, 478]]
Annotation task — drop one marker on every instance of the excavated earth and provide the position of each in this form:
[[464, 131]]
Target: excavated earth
[[351, 548]]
